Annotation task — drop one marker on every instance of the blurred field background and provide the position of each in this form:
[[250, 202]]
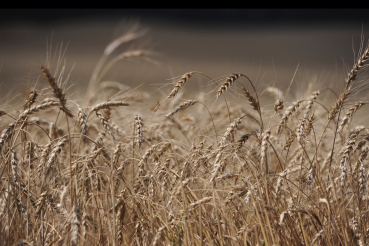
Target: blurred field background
[[267, 45]]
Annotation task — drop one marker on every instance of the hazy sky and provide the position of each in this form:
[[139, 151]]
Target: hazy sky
[[268, 45]]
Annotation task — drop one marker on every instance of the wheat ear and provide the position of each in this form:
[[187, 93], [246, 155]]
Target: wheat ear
[[58, 92], [181, 107], [253, 102], [230, 130], [105, 122], [31, 98], [287, 114], [278, 105], [14, 165], [180, 83], [357, 67], [37, 108], [138, 130], [75, 226], [6, 134], [227, 83], [350, 79], [56, 150], [350, 114], [264, 148], [106, 105], [82, 120], [338, 104]]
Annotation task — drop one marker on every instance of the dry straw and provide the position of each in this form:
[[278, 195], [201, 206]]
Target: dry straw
[[172, 181]]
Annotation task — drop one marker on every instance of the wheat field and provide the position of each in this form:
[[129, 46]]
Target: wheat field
[[217, 167]]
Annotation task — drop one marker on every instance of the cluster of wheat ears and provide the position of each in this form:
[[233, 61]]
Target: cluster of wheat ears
[[187, 172]]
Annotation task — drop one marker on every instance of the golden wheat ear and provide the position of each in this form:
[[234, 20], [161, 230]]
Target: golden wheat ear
[[58, 92], [179, 84], [181, 107], [252, 100], [177, 87], [138, 131], [227, 83], [30, 99]]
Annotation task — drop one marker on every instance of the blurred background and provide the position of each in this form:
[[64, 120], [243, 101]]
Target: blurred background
[[267, 45]]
